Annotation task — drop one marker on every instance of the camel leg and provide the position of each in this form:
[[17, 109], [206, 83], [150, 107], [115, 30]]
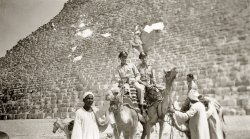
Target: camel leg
[[161, 124], [148, 130], [144, 133], [116, 132], [129, 135], [133, 133], [126, 135]]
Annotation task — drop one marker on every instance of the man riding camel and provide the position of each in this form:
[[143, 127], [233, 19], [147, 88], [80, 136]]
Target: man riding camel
[[147, 76], [146, 71], [129, 74]]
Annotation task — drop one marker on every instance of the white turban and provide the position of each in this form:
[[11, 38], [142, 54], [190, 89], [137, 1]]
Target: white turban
[[87, 93], [193, 95]]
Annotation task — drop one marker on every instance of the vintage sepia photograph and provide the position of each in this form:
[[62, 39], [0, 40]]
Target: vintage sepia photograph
[[124, 69]]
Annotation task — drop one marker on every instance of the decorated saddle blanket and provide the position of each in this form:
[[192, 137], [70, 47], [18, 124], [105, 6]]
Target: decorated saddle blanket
[[127, 101]]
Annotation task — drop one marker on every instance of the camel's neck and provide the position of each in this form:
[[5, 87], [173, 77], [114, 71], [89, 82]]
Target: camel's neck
[[168, 88], [167, 100], [118, 113]]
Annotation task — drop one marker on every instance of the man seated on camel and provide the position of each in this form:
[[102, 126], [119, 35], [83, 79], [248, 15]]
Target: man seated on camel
[[129, 74], [147, 76], [146, 71]]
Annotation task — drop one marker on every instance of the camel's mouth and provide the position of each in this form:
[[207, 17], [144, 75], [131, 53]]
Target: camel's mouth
[[113, 106]]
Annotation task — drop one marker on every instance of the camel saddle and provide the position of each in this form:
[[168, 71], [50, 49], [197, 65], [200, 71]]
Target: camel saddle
[[152, 97], [127, 101]]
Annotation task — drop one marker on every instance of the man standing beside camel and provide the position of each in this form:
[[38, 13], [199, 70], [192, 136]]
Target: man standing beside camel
[[215, 121], [87, 122], [148, 78], [198, 124], [191, 86]]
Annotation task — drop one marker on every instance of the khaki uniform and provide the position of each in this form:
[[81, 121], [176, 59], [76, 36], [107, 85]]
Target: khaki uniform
[[131, 75], [147, 74]]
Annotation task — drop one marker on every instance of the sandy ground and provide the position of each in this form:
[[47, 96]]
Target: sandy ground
[[238, 127]]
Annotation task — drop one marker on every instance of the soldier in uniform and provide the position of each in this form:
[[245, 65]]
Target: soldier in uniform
[[146, 71], [148, 78]]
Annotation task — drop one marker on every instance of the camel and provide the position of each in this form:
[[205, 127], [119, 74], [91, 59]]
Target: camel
[[157, 111], [66, 127], [126, 117]]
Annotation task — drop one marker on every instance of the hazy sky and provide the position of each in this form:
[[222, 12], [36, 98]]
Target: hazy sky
[[18, 18]]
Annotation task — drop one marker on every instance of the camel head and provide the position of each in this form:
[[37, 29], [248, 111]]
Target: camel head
[[113, 94], [170, 75], [115, 98], [56, 125]]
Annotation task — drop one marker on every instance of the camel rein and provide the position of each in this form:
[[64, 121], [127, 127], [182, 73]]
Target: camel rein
[[170, 121]]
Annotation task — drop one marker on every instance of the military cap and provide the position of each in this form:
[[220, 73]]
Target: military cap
[[123, 54]]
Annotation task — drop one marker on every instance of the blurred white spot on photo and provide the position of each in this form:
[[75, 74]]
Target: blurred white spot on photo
[[155, 26], [77, 58], [106, 35], [86, 33]]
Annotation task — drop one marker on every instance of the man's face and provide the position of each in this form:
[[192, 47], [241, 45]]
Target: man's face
[[88, 100], [123, 60], [144, 59], [189, 79]]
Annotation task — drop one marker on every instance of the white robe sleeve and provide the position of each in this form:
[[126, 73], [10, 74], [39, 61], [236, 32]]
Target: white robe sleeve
[[77, 129], [210, 110], [183, 117], [102, 120]]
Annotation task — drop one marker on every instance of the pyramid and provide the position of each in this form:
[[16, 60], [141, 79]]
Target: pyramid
[[48, 71]]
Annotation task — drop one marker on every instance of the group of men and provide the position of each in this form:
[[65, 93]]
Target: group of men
[[87, 122], [199, 112]]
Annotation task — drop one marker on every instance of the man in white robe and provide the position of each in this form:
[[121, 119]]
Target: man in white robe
[[87, 124], [196, 115], [214, 121]]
